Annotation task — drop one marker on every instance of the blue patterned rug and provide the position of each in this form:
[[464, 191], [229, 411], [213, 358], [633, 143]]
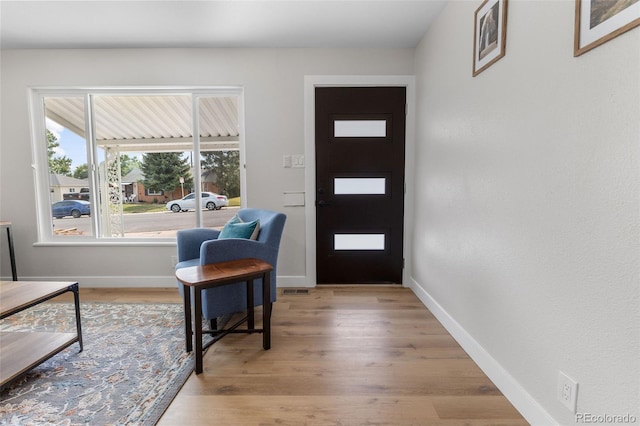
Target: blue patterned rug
[[133, 364]]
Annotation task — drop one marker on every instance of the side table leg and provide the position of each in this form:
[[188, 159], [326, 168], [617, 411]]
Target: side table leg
[[266, 311], [198, 328], [251, 324], [188, 331]]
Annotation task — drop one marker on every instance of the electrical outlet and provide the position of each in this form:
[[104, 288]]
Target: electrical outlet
[[567, 391]]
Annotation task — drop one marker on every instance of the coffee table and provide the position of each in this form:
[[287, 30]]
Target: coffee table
[[220, 274], [21, 351]]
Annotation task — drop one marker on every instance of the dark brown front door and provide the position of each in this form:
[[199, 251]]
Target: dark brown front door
[[360, 146]]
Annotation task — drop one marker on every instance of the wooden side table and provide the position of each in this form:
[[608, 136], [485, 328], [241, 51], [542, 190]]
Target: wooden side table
[[217, 275]]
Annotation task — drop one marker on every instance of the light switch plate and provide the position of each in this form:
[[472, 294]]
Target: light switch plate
[[297, 161]]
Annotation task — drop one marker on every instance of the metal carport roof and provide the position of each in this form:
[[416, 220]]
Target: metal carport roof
[[151, 123]]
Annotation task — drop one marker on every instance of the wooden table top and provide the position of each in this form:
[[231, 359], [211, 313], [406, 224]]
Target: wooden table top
[[16, 294], [222, 272]]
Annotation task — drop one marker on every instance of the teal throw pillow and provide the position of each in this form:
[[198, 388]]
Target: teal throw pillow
[[236, 228], [235, 219]]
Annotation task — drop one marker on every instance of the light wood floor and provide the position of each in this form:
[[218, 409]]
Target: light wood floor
[[339, 356]]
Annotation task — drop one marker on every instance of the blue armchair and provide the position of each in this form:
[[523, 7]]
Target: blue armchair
[[201, 246]]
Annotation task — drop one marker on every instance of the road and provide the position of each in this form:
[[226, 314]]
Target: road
[[161, 224]]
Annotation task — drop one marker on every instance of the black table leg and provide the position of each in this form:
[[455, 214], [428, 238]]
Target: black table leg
[[12, 255], [250, 316], [188, 331], [266, 311], [76, 300], [197, 318]]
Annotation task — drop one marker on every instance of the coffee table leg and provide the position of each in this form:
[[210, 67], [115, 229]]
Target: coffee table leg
[[266, 311], [76, 301], [198, 328], [12, 255], [188, 331]]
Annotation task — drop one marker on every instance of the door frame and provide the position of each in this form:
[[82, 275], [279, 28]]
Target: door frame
[[310, 83]]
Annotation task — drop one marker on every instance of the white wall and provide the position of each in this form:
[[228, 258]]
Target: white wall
[[527, 205], [273, 80]]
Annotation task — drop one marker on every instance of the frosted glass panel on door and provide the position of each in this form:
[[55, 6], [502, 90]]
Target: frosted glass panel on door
[[358, 242], [359, 186], [360, 128]]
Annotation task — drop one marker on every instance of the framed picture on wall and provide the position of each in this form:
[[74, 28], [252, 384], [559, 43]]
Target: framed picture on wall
[[598, 21], [489, 34]]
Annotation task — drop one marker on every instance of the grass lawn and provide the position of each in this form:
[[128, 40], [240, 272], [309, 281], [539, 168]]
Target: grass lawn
[[143, 208]]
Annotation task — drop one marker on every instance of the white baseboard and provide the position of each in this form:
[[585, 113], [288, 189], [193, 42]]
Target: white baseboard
[[530, 409], [292, 281]]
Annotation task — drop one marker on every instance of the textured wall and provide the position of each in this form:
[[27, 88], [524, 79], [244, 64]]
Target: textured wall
[[528, 201]]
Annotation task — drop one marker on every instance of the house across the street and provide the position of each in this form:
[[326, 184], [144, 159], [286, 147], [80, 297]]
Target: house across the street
[[68, 188]]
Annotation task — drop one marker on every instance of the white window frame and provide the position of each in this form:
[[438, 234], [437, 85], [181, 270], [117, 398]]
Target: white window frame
[[40, 167]]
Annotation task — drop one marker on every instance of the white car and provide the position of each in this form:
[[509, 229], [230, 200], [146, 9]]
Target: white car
[[210, 201]]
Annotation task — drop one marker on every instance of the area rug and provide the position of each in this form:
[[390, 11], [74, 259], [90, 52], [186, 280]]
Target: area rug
[[133, 364]]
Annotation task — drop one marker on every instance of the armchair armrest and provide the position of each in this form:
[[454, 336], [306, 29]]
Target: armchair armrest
[[190, 240], [213, 251]]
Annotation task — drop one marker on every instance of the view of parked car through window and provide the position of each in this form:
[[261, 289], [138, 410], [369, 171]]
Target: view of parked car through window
[[73, 208], [210, 201]]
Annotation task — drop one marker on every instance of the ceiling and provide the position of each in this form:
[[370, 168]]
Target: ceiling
[[215, 23]]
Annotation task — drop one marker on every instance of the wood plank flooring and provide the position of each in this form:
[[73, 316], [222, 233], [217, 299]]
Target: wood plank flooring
[[365, 355]]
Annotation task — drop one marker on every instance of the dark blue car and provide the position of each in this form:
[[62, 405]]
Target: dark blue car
[[75, 208]]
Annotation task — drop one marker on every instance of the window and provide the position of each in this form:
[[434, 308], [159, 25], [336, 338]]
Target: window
[[133, 146], [358, 242], [359, 186], [360, 128]]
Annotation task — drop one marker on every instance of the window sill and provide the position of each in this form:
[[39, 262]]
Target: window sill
[[109, 243]]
